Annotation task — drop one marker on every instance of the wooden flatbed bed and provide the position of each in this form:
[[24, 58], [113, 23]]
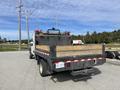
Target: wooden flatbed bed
[[70, 50]]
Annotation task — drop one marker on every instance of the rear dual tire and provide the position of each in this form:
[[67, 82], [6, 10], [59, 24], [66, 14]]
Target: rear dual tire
[[43, 68]]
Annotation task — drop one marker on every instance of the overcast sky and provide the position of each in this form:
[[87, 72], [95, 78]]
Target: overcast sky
[[76, 16]]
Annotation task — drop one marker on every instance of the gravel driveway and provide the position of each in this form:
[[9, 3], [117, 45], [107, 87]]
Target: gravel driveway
[[17, 72]]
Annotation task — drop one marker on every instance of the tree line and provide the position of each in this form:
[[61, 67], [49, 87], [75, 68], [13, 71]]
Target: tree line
[[104, 37], [2, 40]]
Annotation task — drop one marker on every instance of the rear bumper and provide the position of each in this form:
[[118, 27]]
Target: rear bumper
[[80, 65]]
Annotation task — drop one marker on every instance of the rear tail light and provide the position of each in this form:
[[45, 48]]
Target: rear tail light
[[37, 30]]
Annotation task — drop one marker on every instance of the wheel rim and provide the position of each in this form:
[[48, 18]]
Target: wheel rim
[[41, 68]]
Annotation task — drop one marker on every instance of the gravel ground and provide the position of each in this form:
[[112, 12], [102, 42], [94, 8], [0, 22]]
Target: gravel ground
[[17, 72]]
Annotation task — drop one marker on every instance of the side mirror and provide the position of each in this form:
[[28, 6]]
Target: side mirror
[[31, 43]]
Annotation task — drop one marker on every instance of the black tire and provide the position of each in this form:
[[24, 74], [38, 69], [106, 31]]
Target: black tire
[[109, 54], [30, 56], [117, 54], [37, 57], [43, 68]]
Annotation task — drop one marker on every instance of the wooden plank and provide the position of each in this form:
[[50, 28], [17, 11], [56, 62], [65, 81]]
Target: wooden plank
[[79, 47], [43, 47], [72, 48], [75, 53]]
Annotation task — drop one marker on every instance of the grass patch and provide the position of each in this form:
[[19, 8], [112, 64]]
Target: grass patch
[[11, 47], [113, 45]]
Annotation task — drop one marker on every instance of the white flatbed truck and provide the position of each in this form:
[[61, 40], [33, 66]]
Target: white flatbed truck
[[54, 52]]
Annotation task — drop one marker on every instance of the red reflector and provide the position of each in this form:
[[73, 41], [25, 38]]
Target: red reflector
[[89, 59], [68, 61], [82, 59], [94, 58], [76, 61], [99, 58]]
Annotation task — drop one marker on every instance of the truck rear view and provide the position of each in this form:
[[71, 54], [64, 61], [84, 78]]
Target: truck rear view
[[54, 52]]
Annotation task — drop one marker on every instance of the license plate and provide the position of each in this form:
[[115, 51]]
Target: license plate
[[60, 65]]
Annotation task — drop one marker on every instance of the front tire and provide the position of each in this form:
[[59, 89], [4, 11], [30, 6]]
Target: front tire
[[30, 56]]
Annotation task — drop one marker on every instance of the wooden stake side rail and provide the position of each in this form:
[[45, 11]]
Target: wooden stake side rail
[[70, 50]]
